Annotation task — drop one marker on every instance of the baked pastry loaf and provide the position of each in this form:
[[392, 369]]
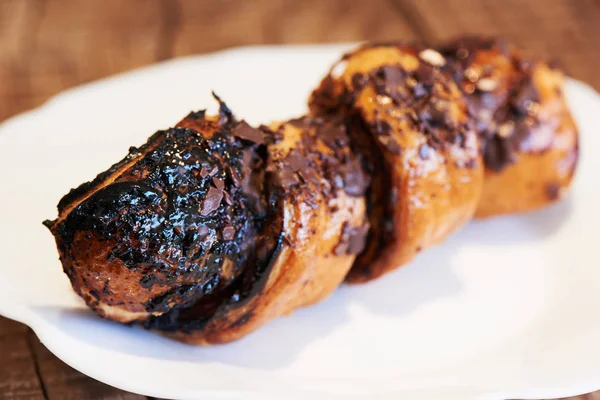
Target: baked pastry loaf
[[213, 228], [421, 145], [529, 137]]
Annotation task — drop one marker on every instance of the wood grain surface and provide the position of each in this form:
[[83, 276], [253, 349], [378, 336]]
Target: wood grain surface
[[47, 46]]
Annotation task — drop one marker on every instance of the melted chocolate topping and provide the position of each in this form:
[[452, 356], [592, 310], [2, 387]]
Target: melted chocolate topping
[[504, 116], [190, 213]]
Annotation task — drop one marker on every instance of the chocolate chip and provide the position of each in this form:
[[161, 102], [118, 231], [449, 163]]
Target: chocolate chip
[[227, 198], [213, 171], [334, 136], [203, 172], [338, 181], [393, 77], [234, 175], [356, 181], [218, 183], [424, 74], [202, 232], [196, 114], [212, 201], [472, 163], [286, 177], [228, 232], [246, 132], [298, 164]]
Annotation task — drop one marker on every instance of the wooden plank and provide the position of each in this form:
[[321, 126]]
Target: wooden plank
[[62, 382], [557, 29], [201, 26], [48, 46], [18, 377], [10, 328], [211, 25]]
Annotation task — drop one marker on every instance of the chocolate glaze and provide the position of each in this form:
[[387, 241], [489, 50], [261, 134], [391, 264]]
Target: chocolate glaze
[[505, 114], [190, 214]]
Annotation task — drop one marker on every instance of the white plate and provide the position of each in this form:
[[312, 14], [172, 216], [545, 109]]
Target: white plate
[[505, 308]]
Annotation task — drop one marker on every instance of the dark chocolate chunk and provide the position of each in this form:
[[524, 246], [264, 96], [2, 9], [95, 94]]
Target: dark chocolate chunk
[[218, 183], [425, 74], [296, 161], [393, 77], [228, 232], [355, 181], [287, 177], [227, 198], [196, 114], [203, 231], [225, 115], [334, 136], [246, 132], [203, 172], [212, 201]]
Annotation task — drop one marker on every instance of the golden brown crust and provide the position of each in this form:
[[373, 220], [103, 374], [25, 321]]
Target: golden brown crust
[[432, 173], [530, 139]]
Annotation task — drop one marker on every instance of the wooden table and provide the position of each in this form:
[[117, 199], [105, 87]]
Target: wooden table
[[47, 46]]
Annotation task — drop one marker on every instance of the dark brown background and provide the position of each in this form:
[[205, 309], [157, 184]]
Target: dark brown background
[[49, 45]]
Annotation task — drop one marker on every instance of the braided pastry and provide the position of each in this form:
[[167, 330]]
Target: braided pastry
[[205, 232], [213, 228]]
